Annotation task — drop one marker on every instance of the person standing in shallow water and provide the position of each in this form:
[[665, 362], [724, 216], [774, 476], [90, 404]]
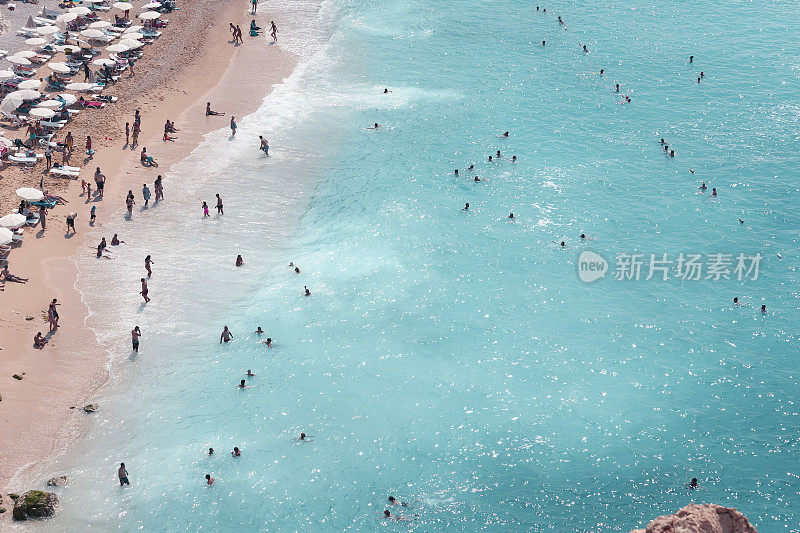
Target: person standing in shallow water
[[123, 475], [219, 205], [144, 291], [147, 263], [226, 335], [135, 334]]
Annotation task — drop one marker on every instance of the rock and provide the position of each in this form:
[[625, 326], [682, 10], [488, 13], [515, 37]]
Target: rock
[[706, 518], [91, 408], [13, 496], [16, 376], [35, 504], [2, 510], [60, 481]]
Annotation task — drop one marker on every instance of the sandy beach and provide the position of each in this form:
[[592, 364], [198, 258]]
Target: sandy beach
[[193, 62]]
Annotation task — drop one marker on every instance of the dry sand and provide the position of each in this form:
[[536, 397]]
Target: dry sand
[[192, 62]]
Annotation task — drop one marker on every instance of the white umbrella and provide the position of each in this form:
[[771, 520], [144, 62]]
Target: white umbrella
[[149, 15], [92, 33], [79, 86], [25, 94], [50, 104], [152, 5], [47, 30], [29, 84], [42, 112], [10, 104], [123, 6], [117, 48], [5, 74], [15, 220], [67, 17], [35, 41], [132, 29], [30, 24], [131, 44], [80, 10], [100, 24], [61, 68], [6, 236], [69, 99], [103, 62], [132, 35], [29, 194], [17, 60]]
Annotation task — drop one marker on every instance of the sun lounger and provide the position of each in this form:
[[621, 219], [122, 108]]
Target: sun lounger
[[64, 173], [16, 160], [49, 203], [53, 125]]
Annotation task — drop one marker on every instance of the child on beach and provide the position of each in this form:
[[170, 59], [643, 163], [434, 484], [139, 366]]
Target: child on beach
[[205, 210], [89, 150], [83, 186]]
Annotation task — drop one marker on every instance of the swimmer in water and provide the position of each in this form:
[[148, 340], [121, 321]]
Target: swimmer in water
[[456, 172], [211, 451], [490, 159], [735, 300], [226, 335], [471, 167], [268, 342], [498, 154], [239, 261], [466, 207], [209, 479], [585, 50], [763, 308], [703, 186], [259, 331], [242, 385], [514, 159], [236, 452], [602, 72], [505, 135], [296, 270], [662, 142], [713, 191], [511, 216], [250, 374], [583, 236], [691, 59], [374, 126], [477, 178], [394, 501], [305, 438], [617, 85], [386, 91], [307, 292], [672, 153], [542, 43], [692, 484]]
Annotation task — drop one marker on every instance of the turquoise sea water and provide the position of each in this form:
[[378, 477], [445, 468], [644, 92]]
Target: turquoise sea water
[[454, 359]]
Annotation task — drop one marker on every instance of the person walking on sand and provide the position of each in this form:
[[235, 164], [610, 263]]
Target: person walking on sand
[[130, 66], [159, 189], [253, 6], [89, 150], [264, 144], [100, 180], [135, 140], [48, 156], [123, 475], [233, 126], [92, 215], [274, 31], [68, 141], [129, 201], [226, 335], [147, 263], [127, 133], [42, 217], [219, 206], [71, 222], [144, 291], [135, 334], [52, 312], [145, 194]]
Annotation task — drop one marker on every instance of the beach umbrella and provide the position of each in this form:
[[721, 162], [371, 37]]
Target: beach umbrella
[[80, 10], [149, 15], [6, 236], [132, 29], [17, 60], [50, 104], [69, 99], [79, 86], [29, 194], [29, 84], [31, 25], [103, 62], [47, 30], [67, 17], [92, 33], [61, 68], [131, 44], [152, 5], [5, 74], [25, 94], [100, 24], [15, 220], [123, 6], [35, 41], [133, 35], [117, 48], [10, 104], [42, 112]]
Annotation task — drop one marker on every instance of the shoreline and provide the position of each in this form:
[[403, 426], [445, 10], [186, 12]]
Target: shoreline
[[74, 367]]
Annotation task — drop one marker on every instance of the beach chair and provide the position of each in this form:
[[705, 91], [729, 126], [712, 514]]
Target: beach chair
[[47, 203], [65, 172], [54, 125], [14, 119], [22, 160]]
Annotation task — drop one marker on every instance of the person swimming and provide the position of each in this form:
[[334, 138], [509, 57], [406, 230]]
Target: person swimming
[[466, 206], [763, 308], [498, 154], [511, 216], [505, 135], [490, 159], [542, 43], [456, 172], [305, 438], [296, 270], [617, 85], [386, 91], [477, 178], [242, 385], [239, 261], [211, 451], [703, 186], [513, 159], [259, 331], [268, 342], [307, 292], [585, 50], [236, 452], [735, 300], [250, 373], [602, 72], [672, 153], [226, 335], [374, 126], [471, 167], [713, 191], [209, 479], [692, 484]]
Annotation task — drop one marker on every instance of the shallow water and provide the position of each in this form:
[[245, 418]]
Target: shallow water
[[455, 359]]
